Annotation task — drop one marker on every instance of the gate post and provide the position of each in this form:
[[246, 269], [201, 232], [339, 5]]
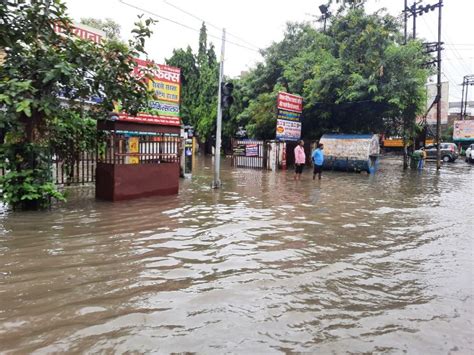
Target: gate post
[[283, 158]]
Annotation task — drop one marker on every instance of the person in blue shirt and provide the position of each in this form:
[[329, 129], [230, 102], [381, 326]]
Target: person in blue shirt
[[318, 160]]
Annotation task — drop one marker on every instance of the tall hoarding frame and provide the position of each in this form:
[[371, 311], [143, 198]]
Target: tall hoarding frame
[[166, 86], [289, 109]]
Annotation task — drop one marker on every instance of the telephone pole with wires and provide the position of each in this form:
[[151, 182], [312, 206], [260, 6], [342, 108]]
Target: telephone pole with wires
[[418, 10], [468, 80]]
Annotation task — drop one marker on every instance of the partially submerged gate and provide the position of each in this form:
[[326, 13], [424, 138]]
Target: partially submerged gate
[[248, 153], [258, 154]]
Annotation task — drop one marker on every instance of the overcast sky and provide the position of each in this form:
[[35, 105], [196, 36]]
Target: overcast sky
[[257, 23]]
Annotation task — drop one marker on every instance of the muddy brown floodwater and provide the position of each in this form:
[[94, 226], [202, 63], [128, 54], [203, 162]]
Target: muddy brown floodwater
[[354, 263]]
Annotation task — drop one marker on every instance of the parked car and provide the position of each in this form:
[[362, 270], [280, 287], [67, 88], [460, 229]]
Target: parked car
[[449, 152], [470, 154]]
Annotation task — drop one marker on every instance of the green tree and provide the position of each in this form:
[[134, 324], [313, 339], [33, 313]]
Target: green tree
[[44, 83], [262, 116], [200, 76], [356, 78], [186, 60]]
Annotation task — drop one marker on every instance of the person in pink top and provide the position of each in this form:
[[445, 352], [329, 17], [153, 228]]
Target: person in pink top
[[300, 159]]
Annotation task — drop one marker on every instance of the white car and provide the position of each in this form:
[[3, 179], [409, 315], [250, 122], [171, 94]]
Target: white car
[[470, 154]]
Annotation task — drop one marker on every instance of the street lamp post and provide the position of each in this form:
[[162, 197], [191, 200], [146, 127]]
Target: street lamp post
[[325, 15], [216, 183]]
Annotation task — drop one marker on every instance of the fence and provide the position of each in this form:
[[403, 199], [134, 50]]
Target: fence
[[115, 149], [80, 171], [152, 149], [249, 154]]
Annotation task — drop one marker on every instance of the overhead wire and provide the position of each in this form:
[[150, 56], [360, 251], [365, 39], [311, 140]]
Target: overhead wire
[[209, 23], [455, 54], [184, 25], [453, 84]]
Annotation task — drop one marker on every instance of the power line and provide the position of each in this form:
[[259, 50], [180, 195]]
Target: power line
[[454, 49], [452, 83], [184, 25], [456, 54], [460, 44], [209, 23]]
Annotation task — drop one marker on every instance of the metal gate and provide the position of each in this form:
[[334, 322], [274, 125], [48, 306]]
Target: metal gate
[[249, 154], [258, 154]]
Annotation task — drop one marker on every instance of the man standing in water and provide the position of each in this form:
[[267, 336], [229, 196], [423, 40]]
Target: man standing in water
[[318, 161], [300, 159]]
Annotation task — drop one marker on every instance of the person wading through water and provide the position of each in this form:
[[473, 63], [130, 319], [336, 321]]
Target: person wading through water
[[300, 159], [318, 161]]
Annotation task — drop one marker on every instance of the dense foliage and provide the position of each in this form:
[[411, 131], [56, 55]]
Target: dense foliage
[[199, 80], [46, 82], [356, 78]]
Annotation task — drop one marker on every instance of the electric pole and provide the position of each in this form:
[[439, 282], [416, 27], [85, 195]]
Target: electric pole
[[462, 97], [414, 20], [438, 95], [217, 152], [468, 80], [405, 12], [418, 11]]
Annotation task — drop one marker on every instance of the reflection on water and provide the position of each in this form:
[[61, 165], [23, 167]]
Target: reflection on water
[[350, 263]]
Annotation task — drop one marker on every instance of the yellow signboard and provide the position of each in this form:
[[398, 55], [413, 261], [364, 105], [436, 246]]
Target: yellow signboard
[[3, 55], [165, 91], [393, 143], [133, 148]]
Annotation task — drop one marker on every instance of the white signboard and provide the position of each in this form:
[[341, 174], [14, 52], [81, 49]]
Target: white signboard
[[463, 131], [288, 130]]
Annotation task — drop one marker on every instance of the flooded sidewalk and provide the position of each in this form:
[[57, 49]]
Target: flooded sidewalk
[[351, 263]]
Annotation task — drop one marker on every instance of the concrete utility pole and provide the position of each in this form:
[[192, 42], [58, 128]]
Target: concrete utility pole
[[462, 97], [438, 95], [414, 11], [405, 13], [217, 152], [468, 80]]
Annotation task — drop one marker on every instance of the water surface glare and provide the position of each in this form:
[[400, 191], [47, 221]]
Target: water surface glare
[[352, 263]]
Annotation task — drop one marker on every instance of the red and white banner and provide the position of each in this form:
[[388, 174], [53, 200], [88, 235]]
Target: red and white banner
[[82, 31], [160, 72], [290, 102], [151, 119]]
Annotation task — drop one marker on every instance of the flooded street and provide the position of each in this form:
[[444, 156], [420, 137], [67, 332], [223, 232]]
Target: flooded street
[[352, 263]]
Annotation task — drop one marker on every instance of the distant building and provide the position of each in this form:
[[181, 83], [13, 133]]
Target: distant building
[[455, 108]]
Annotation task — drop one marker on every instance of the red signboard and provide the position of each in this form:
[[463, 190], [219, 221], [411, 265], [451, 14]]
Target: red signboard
[[290, 102], [165, 83], [160, 72], [82, 31], [152, 119]]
